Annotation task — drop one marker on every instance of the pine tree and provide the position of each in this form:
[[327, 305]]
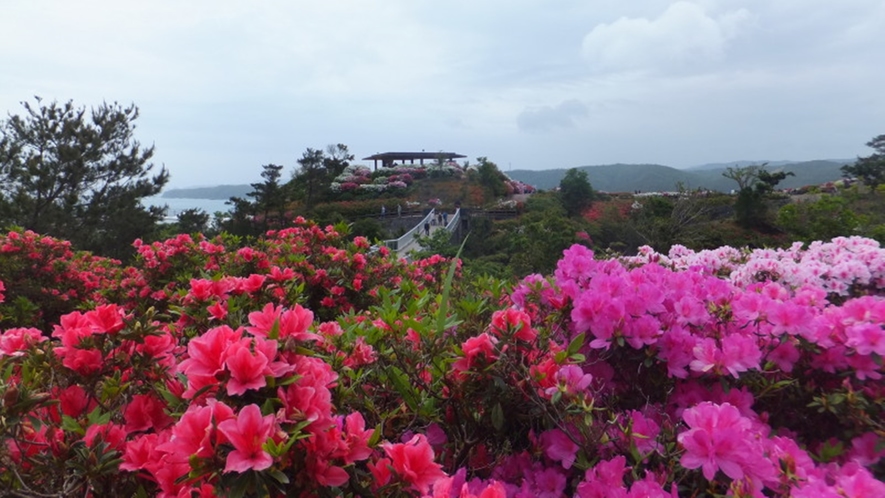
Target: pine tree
[[78, 175]]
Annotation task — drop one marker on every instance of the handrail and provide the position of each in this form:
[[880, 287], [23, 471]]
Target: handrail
[[406, 238], [453, 222]]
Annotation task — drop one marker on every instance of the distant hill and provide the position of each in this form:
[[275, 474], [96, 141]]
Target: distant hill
[[658, 178], [612, 178], [740, 164], [219, 192]]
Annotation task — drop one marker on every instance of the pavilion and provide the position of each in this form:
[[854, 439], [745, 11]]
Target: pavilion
[[388, 159]]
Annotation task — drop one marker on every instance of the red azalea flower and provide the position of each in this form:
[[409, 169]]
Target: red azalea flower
[[247, 368], [144, 412], [413, 461], [248, 432]]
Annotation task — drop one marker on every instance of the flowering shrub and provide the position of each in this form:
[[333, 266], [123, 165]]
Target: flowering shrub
[[46, 279], [307, 365], [518, 187]]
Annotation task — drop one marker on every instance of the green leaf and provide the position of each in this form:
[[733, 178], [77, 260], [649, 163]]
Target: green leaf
[[498, 417], [274, 332], [443, 311], [576, 344], [70, 424], [95, 417], [401, 383], [278, 476], [376, 436]]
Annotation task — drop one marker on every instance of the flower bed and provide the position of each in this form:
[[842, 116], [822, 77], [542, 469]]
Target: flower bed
[[307, 365]]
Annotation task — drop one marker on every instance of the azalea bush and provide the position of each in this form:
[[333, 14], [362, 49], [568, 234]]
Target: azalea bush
[[309, 364]]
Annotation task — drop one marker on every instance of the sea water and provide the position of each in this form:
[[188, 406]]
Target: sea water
[[176, 205]]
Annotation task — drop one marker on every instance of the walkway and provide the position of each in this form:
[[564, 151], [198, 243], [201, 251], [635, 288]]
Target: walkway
[[404, 245]]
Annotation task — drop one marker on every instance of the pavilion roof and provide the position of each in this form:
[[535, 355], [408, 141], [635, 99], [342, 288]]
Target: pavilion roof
[[406, 156]]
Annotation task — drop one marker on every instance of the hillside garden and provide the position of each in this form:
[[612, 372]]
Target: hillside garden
[[628, 351], [307, 364]]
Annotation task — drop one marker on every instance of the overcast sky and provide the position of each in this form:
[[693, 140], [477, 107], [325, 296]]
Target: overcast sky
[[227, 86]]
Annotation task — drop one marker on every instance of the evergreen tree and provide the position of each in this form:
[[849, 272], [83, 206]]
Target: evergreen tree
[[336, 159], [756, 186], [78, 176], [871, 169], [490, 177], [271, 198], [575, 192], [312, 178]]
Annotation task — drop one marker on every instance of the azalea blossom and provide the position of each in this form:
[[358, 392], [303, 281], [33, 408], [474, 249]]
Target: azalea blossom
[[247, 433]]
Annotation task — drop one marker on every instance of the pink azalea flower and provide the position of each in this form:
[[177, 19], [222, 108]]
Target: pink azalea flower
[[511, 319], [206, 353], [112, 434], [481, 345], [559, 447], [605, 480], [866, 338], [144, 412], [292, 323], [14, 342], [356, 438], [570, 380], [247, 433], [140, 453], [74, 401], [194, 434], [247, 367], [218, 310], [107, 318], [263, 321], [413, 462], [363, 354], [867, 449], [720, 438]]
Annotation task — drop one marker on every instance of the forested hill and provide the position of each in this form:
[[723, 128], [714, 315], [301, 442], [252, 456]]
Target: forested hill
[[654, 177], [608, 178]]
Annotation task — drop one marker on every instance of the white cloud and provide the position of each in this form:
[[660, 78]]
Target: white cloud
[[549, 118], [684, 35], [225, 86]]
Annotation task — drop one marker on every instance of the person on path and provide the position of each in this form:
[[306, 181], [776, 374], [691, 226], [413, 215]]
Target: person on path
[[445, 219], [399, 210], [383, 211], [426, 229]]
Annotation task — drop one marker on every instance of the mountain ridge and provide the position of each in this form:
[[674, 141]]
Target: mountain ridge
[[618, 177], [656, 177]]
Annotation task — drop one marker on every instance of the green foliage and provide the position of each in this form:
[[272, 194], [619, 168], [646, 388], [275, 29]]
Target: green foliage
[[828, 217], [871, 169], [539, 239], [750, 209], [369, 228], [193, 221], [575, 192], [78, 176], [490, 177], [531, 243], [271, 199], [657, 178], [311, 177], [439, 242], [311, 182], [744, 176], [755, 187]]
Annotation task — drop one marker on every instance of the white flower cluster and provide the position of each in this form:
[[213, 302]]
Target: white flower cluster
[[836, 267]]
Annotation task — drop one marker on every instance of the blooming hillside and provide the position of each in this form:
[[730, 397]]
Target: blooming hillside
[[309, 365]]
